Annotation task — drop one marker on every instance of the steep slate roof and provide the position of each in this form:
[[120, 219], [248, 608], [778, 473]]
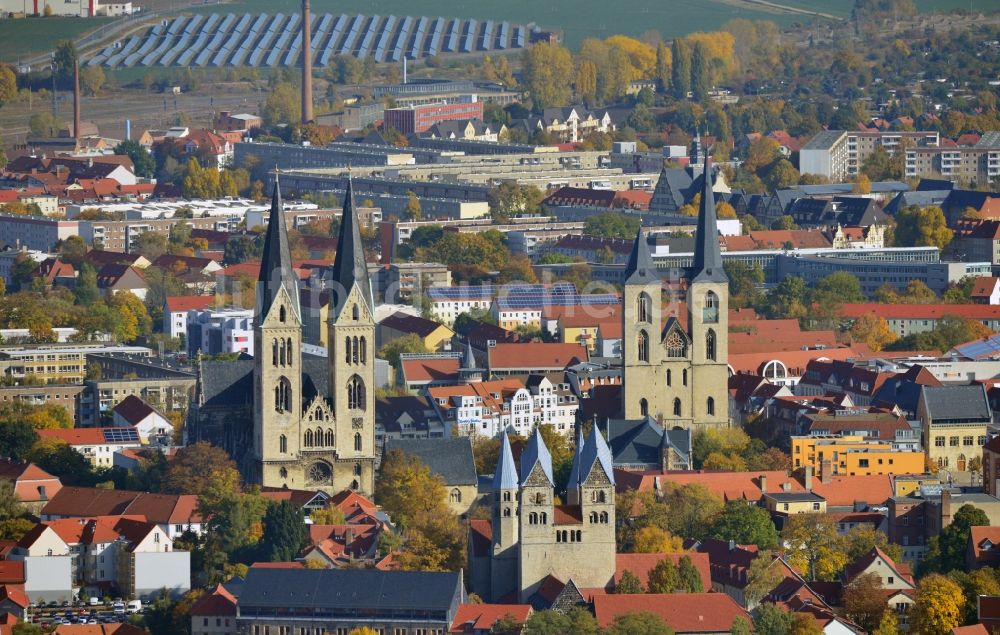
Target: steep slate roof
[[536, 452], [505, 475], [229, 383], [449, 458], [350, 266], [133, 409], [596, 453], [956, 403], [640, 441], [640, 268], [707, 255], [276, 270], [407, 323], [350, 589]]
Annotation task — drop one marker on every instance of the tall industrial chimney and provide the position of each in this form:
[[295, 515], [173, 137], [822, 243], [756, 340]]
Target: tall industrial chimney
[[307, 78], [76, 99]]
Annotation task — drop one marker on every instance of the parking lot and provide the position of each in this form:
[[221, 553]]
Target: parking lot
[[51, 616]]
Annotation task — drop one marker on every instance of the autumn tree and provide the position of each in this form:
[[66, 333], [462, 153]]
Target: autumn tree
[[874, 331], [939, 606], [413, 209], [921, 227], [814, 546], [586, 81], [652, 539], [641, 623], [8, 84], [612, 225], [547, 70], [861, 539], [329, 515], [864, 602], [663, 64], [804, 624], [282, 105], [680, 70], [762, 577], [693, 509], [200, 468]]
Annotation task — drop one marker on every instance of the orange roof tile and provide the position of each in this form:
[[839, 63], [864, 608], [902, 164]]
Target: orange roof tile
[[430, 369], [682, 612], [844, 491], [476, 618], [536, 355], [177, 303]]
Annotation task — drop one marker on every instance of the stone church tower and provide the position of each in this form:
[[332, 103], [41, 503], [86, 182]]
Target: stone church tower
[[313, 423], [678, 375], [534, 538]]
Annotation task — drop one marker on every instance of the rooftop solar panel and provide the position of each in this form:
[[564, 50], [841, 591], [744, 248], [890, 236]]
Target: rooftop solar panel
[[120, 435]]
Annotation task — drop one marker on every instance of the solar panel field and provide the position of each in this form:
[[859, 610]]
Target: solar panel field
[[275, 40]]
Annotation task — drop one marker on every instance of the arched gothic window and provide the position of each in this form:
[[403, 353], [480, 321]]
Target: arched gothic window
[[319, 436], [593, 517], [319, 414], [281, 353], [357, 441], [506, 497], [710, 345], [283, 472], [676, 346], [669, 377], [710, 406], [644, 406], [274, 351], [677, 407], [357, 469], [283, 444], [643, 346], [308, 440], [354, 350], [364, 350], [506, 512], [455, 496], [684, 376], [604, 518], [283, 395], [644, 308], [328, 439], [356, 393], [347, 349], [544, 518], [710, 312], [282, 314], [288, 347], [600, 496], [356, 312], [533, 518]]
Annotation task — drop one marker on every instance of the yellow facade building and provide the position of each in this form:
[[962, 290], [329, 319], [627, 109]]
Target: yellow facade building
[[854, 456]]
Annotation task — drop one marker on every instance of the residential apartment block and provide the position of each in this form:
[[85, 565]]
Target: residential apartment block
[[839, 154], [420, 118], [977, 164], [853, 455], [55, 363]]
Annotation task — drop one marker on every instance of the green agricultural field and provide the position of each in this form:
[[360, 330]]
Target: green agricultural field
[[21, 39]]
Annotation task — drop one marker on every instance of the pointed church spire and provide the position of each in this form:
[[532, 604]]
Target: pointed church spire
[[350, 266], [469, 358], [276, 270], [574, 472], [505, 476], [707, 255], [596, 452], [536, 453], [640, 268]]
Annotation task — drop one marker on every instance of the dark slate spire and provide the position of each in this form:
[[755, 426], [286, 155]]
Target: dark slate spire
[[350, 266], [640, 268], [276, 263], [469, 358], [707, 255]]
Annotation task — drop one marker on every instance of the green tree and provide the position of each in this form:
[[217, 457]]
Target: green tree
[[690, 579], [63, 59], [285, 532], [16, 439], [282, 105], [511, 199], [10, 505], [629, 584], [701, 81], [786, 300], [86, 290], [59, 459], [813, 546], [746, 525], [741, 626], [638, 624], [663, 64], [73, 250], [664, 577], [43, 124], [410, 343], [413, 209], [745, 281], [92, 79], [693, 509], [612, 225], [151, 245], [953, 539], [861, 539], [784, 222], [864, 601], [680, 70], [771, 620], [145, 164]]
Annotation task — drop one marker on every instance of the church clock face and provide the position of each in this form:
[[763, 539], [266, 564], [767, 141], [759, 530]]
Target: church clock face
[[319, 473]]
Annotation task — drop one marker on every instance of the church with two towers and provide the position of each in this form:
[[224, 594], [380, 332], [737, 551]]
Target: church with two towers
[[288, 419]]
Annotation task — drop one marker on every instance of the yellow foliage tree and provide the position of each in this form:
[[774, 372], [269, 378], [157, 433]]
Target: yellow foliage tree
[[725, 210], [719, 45], [363, 630], [814, 548], [655, 540], [329, 515], [873, 331], [939, 608], [642, 56], [586, 80]]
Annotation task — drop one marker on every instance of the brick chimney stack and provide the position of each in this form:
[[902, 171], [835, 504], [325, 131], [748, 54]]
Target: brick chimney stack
[[307, 82], [76, 99]]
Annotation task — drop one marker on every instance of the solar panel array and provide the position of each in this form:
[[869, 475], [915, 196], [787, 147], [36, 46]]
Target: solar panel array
[[120, 435], [263, 40], [536, 302]]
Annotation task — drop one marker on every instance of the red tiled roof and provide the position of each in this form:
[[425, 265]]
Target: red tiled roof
[[983, 286], [15, 595], [76, 436], [482, 536], [844, 491], [922, 311], [536, 356], [12, 572], [218, 602], [975, 629], [133, 409], [985, 543], [855, 569], [426, 370], [682, 612], [641, 564], [75, 502], [727, 485], [178, 303], [474, 618]]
